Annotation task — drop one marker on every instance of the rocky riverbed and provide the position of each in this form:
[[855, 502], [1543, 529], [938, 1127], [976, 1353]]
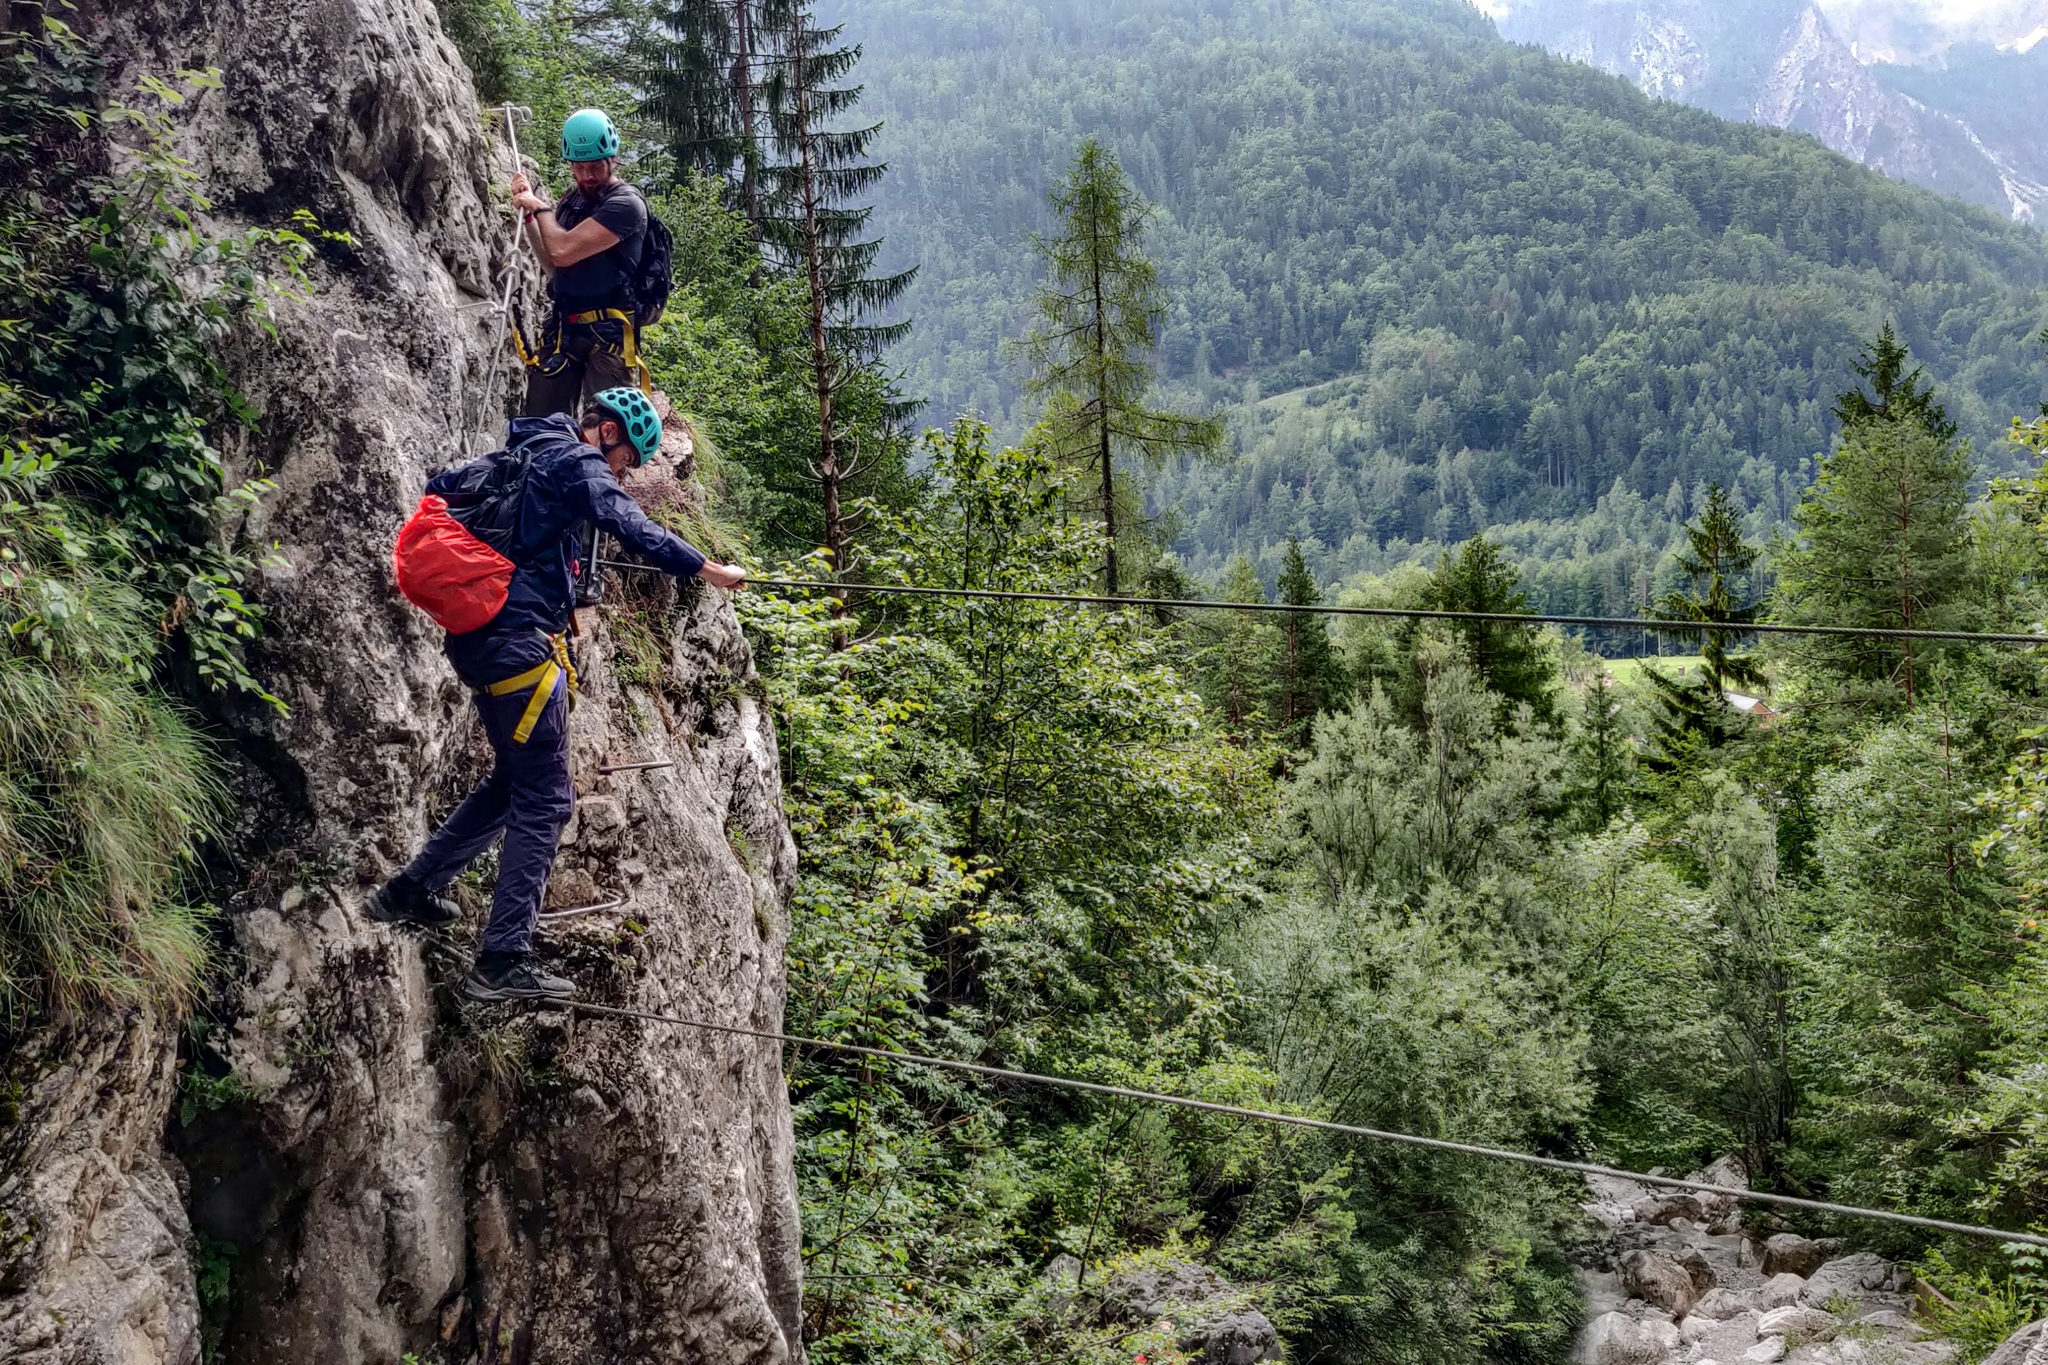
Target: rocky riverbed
[[1679, 1277]]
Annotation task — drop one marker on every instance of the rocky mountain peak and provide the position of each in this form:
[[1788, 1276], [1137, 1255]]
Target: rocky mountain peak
[[1877, 81]]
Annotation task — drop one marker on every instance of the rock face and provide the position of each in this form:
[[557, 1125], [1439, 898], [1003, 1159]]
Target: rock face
[[2028, 1346], [93, 1267], [399, 1171]]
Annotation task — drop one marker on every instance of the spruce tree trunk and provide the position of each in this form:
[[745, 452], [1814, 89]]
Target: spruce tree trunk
[[1102, 452], [743, 96], [822, 377]]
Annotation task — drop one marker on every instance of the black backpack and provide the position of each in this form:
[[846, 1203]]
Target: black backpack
[[487, 499], [656, 278]]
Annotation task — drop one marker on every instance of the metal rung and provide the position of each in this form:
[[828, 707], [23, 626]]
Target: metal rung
[[636, 767], [599, 908]]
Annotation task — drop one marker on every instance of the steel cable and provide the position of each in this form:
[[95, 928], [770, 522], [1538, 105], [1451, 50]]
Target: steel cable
[[1405, 613], [1328, 1126]]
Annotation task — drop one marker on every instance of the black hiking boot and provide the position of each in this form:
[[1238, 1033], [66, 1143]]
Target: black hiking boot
[[518, 978], [404, 901]]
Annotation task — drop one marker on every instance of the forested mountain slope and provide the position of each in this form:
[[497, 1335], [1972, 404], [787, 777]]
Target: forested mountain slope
[[1789, 64], [1529, 280]]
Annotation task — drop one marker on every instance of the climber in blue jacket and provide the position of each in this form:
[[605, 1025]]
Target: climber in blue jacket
[[517, 668]]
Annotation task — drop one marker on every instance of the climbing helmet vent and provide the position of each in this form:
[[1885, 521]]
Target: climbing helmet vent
[[637, 416]]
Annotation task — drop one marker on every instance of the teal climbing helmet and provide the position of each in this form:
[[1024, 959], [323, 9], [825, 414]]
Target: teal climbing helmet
[[589, 135], [637, 416]]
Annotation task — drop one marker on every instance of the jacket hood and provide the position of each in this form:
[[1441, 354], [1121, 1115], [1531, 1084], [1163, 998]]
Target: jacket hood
[[523, 429]]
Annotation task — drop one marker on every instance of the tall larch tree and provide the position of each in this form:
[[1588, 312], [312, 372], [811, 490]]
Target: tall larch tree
[[1091, 351]]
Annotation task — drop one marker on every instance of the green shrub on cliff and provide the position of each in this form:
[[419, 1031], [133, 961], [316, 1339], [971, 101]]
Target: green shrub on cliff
[[115, 575]]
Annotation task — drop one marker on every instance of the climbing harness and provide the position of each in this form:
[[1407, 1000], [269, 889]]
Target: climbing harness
[[628, 350], [1321, 1125], [542, 678], [1396, 613]]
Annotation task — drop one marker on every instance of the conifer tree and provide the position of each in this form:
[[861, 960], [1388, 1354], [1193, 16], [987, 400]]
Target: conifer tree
[[1883, 541], [1091, 352], [1716, 562], [1307, 676], [1510, 659], [1238, 647], [1599, 754], [702, 64], [812, 227], [1896, 394]]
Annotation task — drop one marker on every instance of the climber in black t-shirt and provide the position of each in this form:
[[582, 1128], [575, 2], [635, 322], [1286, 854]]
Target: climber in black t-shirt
[[590, 244]]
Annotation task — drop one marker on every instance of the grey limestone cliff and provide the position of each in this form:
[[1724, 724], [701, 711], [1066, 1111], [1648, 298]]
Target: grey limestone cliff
[[394, 1171]]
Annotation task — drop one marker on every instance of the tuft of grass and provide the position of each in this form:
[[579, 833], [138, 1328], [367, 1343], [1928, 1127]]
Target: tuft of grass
[[105, 784]]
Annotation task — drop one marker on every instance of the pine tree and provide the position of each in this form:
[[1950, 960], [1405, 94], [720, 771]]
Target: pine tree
[[1307, 677], [1883, 541], [1896, 395], [812, 228], [1091, 352], [1511, 660], [1237, 648], [1716, 562], [1599, 754], [701, 66]]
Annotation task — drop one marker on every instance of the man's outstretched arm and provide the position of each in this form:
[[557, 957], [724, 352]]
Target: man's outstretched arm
[[616, 514]]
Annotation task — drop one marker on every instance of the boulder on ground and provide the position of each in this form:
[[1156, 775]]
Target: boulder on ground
[[1720, 1305], [1788, 1253], [1660, 1209], [1729, 1173], [1767, 1351], [1891, 1319], [1850, 1277], [1657, 1279], [1809, 1323], [1696, 1327], [1214, 1330], [2025, 1347], [1139, 1296], [1241, 1338], [1618, 1339], [1697, 1266], [1780, 1290]]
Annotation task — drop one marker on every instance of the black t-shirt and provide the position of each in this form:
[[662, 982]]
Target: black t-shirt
[[606, 279]]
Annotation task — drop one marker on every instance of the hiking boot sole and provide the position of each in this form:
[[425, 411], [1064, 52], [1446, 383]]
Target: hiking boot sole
[[382, 914], [476, 988]]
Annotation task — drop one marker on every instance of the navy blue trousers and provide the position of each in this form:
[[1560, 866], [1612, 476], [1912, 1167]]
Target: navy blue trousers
[[528, 796]]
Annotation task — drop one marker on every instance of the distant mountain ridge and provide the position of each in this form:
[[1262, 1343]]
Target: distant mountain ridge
[[1943, 116]]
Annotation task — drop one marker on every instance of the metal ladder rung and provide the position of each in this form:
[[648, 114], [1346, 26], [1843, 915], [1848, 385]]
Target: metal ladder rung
[[597, 909]]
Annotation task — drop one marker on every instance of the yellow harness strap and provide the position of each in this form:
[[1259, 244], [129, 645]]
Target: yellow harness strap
[[561, 645], [629, 350], [542, 678]]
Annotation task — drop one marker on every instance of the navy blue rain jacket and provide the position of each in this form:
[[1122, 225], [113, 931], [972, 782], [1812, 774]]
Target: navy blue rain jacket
[[567, 484]]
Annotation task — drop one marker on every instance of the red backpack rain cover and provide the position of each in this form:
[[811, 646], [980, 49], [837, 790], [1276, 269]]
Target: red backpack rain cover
[[447, 572]]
